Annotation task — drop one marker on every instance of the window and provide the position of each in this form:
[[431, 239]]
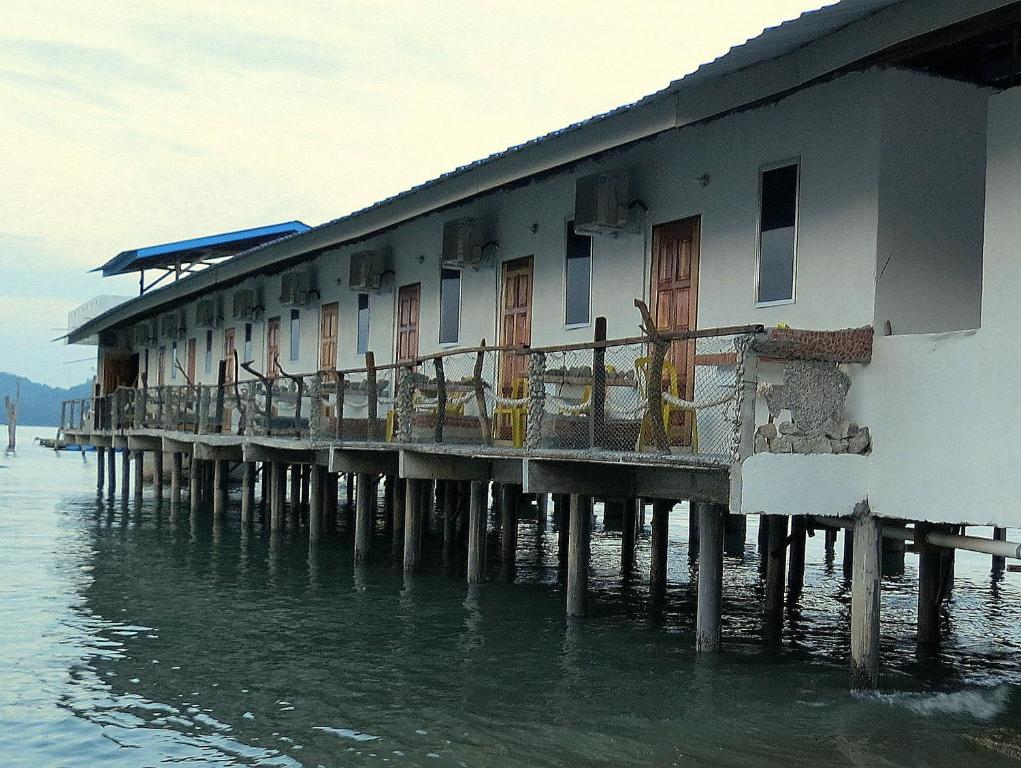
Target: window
[[577, 278], [450, 305], [248, 342], [295, 335], [363, 323], [209, 352], [778, 215], [173, 361]]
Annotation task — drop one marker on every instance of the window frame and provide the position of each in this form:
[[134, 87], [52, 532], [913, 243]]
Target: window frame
[[360, 347], [460, 295], [568, 229], [762, 170]]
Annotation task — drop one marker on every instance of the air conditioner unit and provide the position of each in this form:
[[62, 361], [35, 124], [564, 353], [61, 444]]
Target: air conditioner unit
[[601, 203], [298, 286], [209, 312], [366, 271], [145, 334], [244, 304], [463, 242], [173, 325]]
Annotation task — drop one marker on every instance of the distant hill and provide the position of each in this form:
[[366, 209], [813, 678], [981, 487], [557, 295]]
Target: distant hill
[[40, 404]]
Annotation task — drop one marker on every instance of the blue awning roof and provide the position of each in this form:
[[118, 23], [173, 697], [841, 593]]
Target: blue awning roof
[[197, 248]]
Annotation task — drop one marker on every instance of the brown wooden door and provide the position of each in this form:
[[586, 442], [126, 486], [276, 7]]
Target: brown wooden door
[[675, 248], [328, 327], [191, 361], [515, 320], [229, 339], [407, 321], [272, 346]]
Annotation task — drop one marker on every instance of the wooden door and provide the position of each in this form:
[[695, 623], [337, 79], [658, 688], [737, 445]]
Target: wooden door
[[515, 320], [191, 361], [407, 321], [328, 327], [229, 341], [674, 292], [272, 346]]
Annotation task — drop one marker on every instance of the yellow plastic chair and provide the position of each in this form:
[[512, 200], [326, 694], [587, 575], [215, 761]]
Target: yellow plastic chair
[[517, 414], [645, 430]]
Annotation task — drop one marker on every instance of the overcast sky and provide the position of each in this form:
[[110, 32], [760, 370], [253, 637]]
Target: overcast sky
[[124, 124]]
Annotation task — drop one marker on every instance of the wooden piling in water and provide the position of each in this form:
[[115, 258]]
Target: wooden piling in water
[[734, 530], [578, 555], [125, 471], [306, 483], [157, 472], [100, 468], [220, 471], [830, 543], [847, 562], [111, 471], [629, 530], [194, 484], [509, 498], [295, 490], [776, 562], [330, 489], [349, 489], [865, 592], [247, 492], [414, 490], [450, 500], [660, 541], [999, 563], [692, 530], [929, 575], [710, 577], [399, 515], [762, 543], [562, 512], [477, 531], [798, 540], [316, 501], [176, 469], [278, 484], [363, 517], [388, 505]]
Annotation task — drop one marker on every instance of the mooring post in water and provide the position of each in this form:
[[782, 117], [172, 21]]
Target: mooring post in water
[[477, 531], [929, 574], [220, 470], [278, 485], [660, 540], [999, 562], [176, 466], [195, 471], [316, 491], [776, 562], [414, 490], [509, 497], [363, 517], [710, 577], [100, 467], [629, 529], [798, 539], [157, 471], [865, 591], [578, 555], [247, 492], [111, 470]]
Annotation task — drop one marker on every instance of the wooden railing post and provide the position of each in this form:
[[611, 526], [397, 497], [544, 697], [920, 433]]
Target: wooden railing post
[[202, 422], [485, 427], [536, 398], [341, 386], [441, 398], [315, 416], [372, 394], [221, 377], [597, 398], [405, 403]]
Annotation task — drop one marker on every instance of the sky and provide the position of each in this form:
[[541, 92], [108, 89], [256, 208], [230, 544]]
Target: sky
[[131, 124]]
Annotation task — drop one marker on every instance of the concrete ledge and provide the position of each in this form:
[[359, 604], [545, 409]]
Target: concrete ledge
[[591, 478], [829, 485], [355, 460]]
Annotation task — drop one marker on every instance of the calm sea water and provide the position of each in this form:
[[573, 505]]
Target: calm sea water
[[133, 636]]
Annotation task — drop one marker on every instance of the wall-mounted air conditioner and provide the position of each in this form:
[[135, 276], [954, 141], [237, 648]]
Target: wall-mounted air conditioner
[[464, 243], [244, 304], [145, 334], [601, 203], [173, 325], [209, 312], [298, 286], [366, 271]]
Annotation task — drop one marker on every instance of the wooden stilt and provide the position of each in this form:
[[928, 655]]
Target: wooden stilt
[[762, 543], [541, 511], [111, 471], [388, 506], [278, 481], [316, 494], [796, 576], [710, 577], [349, 489], [100, 467], [247, 492], [264, 484], [399, 515], [830, 543], [562, 510], [306, 483], [692, 530], [126, 471], [660, 541], [363, 518], [847, 563], [477, 531], [508, 529], [929, 575], [578, 555], [865, 592], [195, 484], [999, 563], [734, 530], [414, 490], [176, 470], [629, 529], [330, 489], [449, 522], [776, 562], [219, 488]]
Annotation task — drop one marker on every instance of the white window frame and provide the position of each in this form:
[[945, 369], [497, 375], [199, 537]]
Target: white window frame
[[439, 307], [568, 223], [795, 161]]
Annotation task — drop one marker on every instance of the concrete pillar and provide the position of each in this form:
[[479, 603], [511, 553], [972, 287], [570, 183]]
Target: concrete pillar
[[477, 531], [414, 490], [219, 488], [176, 469], [865, 592], [157, 472], [734, 531], [509, 495], [799, 540], [195, 484], [363, 517], [316, 494], [929, 574], [578, 554], [660, 539], [125, 471], [776, 563], [278, 483], [999, 534], [247, 492], [710, 577], [100, 467], [629, 530], [111, 471]]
